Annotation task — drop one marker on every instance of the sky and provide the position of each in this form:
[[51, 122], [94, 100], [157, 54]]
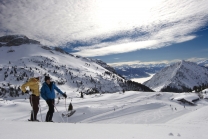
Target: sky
[[196, 48], [113, 30]]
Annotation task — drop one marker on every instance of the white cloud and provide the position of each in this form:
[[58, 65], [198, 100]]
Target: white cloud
[[117, 48], [131, 63], [56, 22], [195, 59]]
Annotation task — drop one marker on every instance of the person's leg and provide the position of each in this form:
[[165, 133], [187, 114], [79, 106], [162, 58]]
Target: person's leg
[[48, 114], [51, 110], [31, 115], [35, 101]]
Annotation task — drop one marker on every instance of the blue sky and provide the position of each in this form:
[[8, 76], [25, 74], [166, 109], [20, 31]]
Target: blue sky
[[112, 30], [196, 48]]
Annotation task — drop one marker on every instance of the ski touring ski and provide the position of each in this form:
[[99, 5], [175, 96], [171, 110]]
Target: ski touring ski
[[68, 114]]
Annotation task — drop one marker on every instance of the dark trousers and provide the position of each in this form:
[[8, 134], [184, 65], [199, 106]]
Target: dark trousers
[[50, 112], [34, 102]]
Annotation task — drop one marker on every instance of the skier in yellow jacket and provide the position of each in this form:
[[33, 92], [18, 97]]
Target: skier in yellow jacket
[[33, 84]]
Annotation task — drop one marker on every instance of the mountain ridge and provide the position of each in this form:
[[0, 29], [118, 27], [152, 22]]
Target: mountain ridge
[[179, 77], [72, 73], [142, 70]]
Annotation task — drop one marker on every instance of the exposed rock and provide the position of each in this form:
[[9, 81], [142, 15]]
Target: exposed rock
[[16, 40], [46, 47], [8, 38], [60, 50]]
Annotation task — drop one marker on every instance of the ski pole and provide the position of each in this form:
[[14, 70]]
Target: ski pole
[[65, 104], [32, 108], [40, 113], [66, 110], [58, 113]]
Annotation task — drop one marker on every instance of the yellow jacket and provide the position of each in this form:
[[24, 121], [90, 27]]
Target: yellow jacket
[[33, 84]]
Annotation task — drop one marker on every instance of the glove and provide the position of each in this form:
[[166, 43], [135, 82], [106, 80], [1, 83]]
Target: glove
[[65, 95], [30, 93]]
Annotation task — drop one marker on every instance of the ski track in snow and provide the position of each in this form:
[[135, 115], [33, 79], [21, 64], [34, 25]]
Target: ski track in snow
[[131, 107], [137, 115]]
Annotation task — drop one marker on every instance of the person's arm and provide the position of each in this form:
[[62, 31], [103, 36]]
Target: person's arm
[[23, 87], [58, 90]]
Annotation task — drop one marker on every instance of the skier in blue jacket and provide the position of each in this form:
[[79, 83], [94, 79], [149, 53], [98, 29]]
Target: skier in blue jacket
[[48, 94]]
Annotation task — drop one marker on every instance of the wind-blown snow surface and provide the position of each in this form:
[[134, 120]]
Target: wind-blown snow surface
[[131, 115]]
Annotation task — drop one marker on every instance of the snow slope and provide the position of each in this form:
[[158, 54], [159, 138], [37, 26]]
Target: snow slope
[[142, 80], [130, 107], [101, 131], [180, 76], [130, 115], [71, 73]]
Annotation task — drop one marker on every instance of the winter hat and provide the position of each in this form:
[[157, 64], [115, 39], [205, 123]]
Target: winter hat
[[47, 78], [36, 74]]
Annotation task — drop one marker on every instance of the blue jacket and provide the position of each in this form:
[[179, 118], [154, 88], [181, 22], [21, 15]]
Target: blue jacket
[[46, 93]]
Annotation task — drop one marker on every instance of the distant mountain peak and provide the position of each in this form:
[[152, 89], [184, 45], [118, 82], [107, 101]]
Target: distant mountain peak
[[179, 77]]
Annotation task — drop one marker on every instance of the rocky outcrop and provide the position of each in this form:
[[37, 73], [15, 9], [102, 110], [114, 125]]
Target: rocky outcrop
[[104, 65], [16, 40], [60, 50]]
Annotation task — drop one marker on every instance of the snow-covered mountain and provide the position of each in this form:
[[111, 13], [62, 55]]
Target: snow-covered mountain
[[142, 70], [178, 77], [72, 73], [104, 65]]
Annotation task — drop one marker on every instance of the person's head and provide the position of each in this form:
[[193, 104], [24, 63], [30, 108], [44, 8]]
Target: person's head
[[37, 76], [47, 79]]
